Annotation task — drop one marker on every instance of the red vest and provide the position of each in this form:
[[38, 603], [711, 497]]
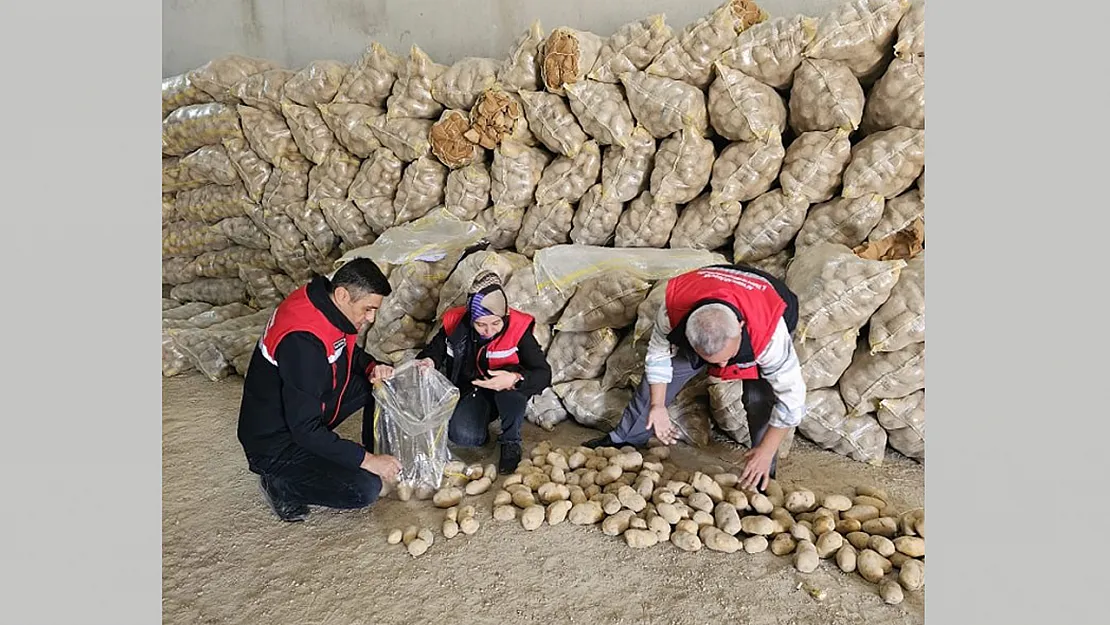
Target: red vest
[[502, 350], [298, 314], [752, 296]]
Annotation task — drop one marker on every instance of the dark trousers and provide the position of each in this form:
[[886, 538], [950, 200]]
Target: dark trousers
[[301, 477], [469, 425], [758, 398]]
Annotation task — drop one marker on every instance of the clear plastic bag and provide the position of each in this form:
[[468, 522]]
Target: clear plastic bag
[[179, 91], [176, 178], [826, 424], [191, 127], [313, 137], [332, 178], [544, 225], [515, 172], [253, 171], [430, 238], [225, 263], [545, 305], [683, 166], [467, 191], [188, 238], [411, 412], [422, 188], [216, 291], [180, 270], [269, 136], [647, 223], [375, 186], [899, 213], [567, 178], [405, 137], [564, 266], [212, 203]]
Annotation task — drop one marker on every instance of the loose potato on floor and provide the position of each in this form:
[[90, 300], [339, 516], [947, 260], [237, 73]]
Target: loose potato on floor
[[912, 575], [686, 541], [557, 512], [716, 540], [640, 538], [447, 497], [783, 544], [871, 565], [805, 557], [912, 546], [891, 592]]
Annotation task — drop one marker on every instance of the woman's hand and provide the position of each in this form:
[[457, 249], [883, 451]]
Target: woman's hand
[[499, 380], [380, 373]]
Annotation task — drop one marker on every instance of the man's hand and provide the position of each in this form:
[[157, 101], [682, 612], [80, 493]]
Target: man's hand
[[381, 372], [659, 421], [425, 363], [385, 467], [757, 468], [499, 380]]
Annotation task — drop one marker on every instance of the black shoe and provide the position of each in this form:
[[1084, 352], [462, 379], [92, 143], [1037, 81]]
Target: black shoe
[[510, 458], [284, 511], [600, 441]]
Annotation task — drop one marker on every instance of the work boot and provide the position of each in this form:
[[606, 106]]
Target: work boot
[[510, 458], [284, 511], [600, 441]]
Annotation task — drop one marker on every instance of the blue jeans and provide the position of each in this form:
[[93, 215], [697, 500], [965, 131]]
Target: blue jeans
[[469, 425]]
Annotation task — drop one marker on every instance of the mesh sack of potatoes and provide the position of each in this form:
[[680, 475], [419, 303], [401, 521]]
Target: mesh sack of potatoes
[[602, 111], [767, 225], [370, 79], [412, 92], [900, 321], [745, 170], [524, 294], [197, 125], [899, 214], [450, 142], [263, 90], [727, 409], [285, 284], [467, 191], [646, 223], [332, 178], [375, 186], [210, 164], [775, 264], [515, 173], [179, 91], [743, 109], [287, 192], [911, 32], [903, 419], [455, 289], [647, 311], [683, 166], [502, 225], [543, 333], [186, 238], [175, 177], [706, 225], [234, 346], [179, 270], [844, 221], [608, 301], [770, 51], [316, 83], [664, 106], [253, 171], [545, 410], [261, 289], [886, 162], [580, 355], [498, 115], [836, 289], [544, 225], [313, 137], [824, 360], [568, 178], [286, 242], [632, 47], [595, 220], [566, 56], [625, 170], [396, 333], [826, 424], [219, 76], [825, 96], [459, 85], [814, 164], [898, 98], [405, 137], [416, 290], [169, 211], [353, 125], [346, 221], [421, 189], [859, 33], [216, 291], [226, 263], [183, 312], [591, 406], [690, 412], [688, 56], [552, 122], [174, 360], [625, 366], [521, 67], [270, 137], [883, 375]]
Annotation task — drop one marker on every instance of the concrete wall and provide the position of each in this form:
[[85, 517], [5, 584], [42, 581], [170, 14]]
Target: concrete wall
[[296, 32]]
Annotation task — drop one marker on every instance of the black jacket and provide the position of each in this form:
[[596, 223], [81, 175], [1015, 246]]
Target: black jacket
[[461, 369], [288, 405]]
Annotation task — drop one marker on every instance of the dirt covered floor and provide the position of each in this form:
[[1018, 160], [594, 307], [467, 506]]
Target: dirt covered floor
[[226, 559]]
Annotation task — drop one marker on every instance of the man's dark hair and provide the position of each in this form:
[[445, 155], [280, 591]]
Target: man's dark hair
[[361, 277]]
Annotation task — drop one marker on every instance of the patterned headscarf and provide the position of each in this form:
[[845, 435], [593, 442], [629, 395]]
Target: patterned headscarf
[[486, 297]]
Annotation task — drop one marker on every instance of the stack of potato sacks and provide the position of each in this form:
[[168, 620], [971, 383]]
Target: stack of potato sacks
[[793, 144]]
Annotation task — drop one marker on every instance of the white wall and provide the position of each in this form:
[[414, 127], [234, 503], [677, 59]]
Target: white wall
[[296, 32]]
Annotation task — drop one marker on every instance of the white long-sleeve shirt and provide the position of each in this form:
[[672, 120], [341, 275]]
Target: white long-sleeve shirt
[[778, 365]]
